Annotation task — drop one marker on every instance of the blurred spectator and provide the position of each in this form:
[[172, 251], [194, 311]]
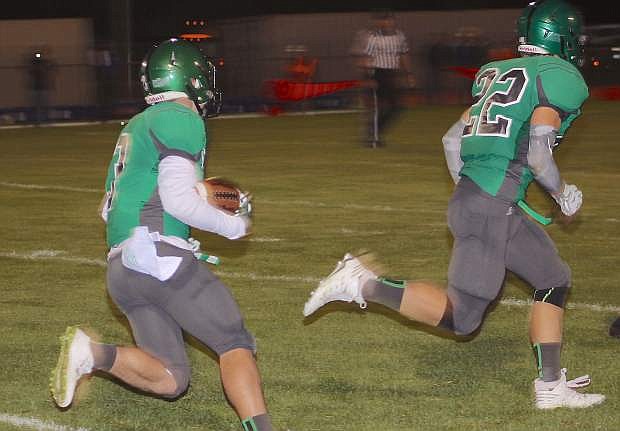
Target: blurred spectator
[[40, 69], [470, 52], [101, 59], [382, 54], [438, 61]]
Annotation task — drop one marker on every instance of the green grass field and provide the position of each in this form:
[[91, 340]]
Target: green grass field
[[318, 194]]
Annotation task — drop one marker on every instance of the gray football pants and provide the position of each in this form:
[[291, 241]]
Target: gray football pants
[[490, 237], [192, 300]]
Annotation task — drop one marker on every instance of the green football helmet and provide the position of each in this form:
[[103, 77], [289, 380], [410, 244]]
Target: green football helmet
[[176, 68], [551, 27]]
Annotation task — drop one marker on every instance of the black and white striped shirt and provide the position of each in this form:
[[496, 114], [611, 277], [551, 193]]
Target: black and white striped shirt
[[384, 49]]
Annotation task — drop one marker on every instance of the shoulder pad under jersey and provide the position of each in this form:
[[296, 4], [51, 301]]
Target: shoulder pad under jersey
[[560, 85], [178, 129]]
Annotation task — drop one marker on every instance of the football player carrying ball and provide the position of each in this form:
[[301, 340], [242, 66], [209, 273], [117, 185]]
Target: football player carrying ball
[[154, 273]]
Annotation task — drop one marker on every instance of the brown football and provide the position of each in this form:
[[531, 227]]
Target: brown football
[[220, 193]]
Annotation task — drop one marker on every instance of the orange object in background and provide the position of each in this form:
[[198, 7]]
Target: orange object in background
[[496, 54], [467, 72], [606, 93], [286, 90], [300, 70]]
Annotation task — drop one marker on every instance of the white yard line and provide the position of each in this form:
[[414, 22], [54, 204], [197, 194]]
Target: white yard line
[[303, 203], [347, 231], [263, 277], [264, 239], [315, 204], [56, 255], [569, 305], [35, 424], [312, 204], [42, 187], [221, 117], [60, 255]]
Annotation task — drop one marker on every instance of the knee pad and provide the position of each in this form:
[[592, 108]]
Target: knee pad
[[181, 378], [556, 296], [467, 311]]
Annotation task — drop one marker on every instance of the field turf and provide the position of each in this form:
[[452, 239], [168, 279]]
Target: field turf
[[318, 194]]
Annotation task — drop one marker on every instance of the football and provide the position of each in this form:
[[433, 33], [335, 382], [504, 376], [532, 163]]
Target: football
[[220, 193]]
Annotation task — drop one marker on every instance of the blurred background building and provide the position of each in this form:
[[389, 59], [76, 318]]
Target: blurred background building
[[85, 66]]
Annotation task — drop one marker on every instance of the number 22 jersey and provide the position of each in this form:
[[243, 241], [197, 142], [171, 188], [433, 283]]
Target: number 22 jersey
[[496, 139]]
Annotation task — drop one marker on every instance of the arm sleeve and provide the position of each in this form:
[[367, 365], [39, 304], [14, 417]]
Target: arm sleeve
[[540, 158], [176, 182], [452, 149]]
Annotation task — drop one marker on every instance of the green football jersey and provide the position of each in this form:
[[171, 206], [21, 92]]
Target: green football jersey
[[164, 129], [496, 139]]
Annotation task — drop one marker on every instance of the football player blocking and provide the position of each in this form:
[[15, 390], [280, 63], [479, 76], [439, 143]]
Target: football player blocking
[[500, 144], [154, 274]]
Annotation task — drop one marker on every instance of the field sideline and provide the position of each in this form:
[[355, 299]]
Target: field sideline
[[318, 194]]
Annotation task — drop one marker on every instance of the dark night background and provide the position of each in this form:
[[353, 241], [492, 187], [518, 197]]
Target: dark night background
[[125, 29], [154, 20]]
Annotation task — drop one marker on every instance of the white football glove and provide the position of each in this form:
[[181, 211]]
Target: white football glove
[[569, 199]]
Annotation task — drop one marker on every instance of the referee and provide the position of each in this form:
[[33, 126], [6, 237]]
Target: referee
[[383, 56]]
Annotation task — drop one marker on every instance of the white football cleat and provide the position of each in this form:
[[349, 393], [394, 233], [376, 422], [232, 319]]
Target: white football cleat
[[550, 395], [75, 360], [343, 284]]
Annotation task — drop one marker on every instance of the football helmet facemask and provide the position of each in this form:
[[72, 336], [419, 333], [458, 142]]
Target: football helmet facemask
[[177, 68], [551, 27]]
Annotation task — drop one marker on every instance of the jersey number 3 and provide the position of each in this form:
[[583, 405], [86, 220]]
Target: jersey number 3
[[487, 124], [120, 153]]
